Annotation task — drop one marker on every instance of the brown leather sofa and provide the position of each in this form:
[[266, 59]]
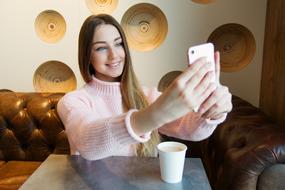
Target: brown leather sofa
[[247, 151], [244, 150], [30, 130]]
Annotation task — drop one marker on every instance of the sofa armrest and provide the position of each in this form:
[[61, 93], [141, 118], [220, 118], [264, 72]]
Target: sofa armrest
[[242, 147], [272, 178]]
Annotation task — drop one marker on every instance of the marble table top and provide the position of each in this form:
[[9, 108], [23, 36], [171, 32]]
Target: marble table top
[[74, 172]]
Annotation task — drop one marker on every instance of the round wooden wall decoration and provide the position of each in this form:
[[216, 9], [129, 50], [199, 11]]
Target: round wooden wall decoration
[[236, 45], [50, 26], [54, 76], [203, 1], [167, 79], [145, 26], [101, 6]]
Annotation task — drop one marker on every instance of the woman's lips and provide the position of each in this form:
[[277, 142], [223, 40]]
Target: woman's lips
[[114, 65]]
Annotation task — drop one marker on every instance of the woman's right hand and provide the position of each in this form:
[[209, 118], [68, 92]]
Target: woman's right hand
[[186, 92]]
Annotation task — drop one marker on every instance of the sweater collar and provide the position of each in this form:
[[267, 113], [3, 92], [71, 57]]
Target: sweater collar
[[100, 87]]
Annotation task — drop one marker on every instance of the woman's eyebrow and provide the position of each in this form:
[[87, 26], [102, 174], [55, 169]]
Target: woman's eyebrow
[[118, 38], [104, 42], [99, 42]]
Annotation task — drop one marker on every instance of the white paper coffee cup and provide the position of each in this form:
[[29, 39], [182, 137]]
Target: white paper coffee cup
[[171, 159]]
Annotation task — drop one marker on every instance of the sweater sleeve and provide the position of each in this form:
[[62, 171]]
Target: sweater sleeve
[[93, 137], [190, 127]]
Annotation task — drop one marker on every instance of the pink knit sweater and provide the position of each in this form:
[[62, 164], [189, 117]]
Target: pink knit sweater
[[97, 126]]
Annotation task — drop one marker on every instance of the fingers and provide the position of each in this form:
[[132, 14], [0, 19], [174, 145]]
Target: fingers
[[216, 116], [217, 103], [199, 66], [210, 102], [207, 92], [217, 110], [205, 84], [198, 94], [195, 84], [217, 66], [202, 78]]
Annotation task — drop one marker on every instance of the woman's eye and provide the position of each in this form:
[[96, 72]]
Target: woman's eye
[[119, 44], [101, 48]]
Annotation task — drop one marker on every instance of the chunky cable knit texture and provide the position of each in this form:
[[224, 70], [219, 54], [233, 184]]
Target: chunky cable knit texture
[[97, 126]]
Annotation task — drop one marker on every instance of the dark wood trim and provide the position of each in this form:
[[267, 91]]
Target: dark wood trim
[[272, 93]]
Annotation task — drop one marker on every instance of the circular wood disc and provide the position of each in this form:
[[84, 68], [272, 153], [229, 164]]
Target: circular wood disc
[[236, 45], [203, 1], [50, 26], [167, 79], [54, 76], [145, 26], [101, 6]]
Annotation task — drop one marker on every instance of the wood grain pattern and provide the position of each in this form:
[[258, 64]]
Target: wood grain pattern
[[272, 94]]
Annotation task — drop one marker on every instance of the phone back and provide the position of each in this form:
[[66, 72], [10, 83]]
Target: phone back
[[202, 50]]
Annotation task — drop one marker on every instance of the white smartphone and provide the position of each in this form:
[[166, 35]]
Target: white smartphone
[[203, 50]]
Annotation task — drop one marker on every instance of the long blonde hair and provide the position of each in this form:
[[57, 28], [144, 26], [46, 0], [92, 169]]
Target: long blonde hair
[[132, 94]]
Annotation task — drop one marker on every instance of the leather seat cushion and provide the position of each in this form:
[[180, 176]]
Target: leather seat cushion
[[272, 178], [14, 173], [2, 163]]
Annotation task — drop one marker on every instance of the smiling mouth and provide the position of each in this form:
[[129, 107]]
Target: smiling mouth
[[114, 65]]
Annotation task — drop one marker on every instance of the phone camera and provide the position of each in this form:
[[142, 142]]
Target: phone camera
[[192, 52]]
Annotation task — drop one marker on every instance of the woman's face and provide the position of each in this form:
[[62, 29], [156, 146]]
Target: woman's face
[[108, 54]]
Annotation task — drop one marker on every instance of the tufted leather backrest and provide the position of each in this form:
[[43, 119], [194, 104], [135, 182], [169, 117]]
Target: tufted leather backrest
[[30, 128]]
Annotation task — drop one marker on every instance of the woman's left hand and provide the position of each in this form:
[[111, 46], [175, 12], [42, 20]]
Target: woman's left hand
[[220, 101]]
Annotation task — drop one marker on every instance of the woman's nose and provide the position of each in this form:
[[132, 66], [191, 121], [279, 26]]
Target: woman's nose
[[113, 53]]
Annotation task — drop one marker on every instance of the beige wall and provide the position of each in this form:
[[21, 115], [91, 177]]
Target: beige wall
[[21, 51]]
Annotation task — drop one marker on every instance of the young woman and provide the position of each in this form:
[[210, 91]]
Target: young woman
[[113, 115]]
